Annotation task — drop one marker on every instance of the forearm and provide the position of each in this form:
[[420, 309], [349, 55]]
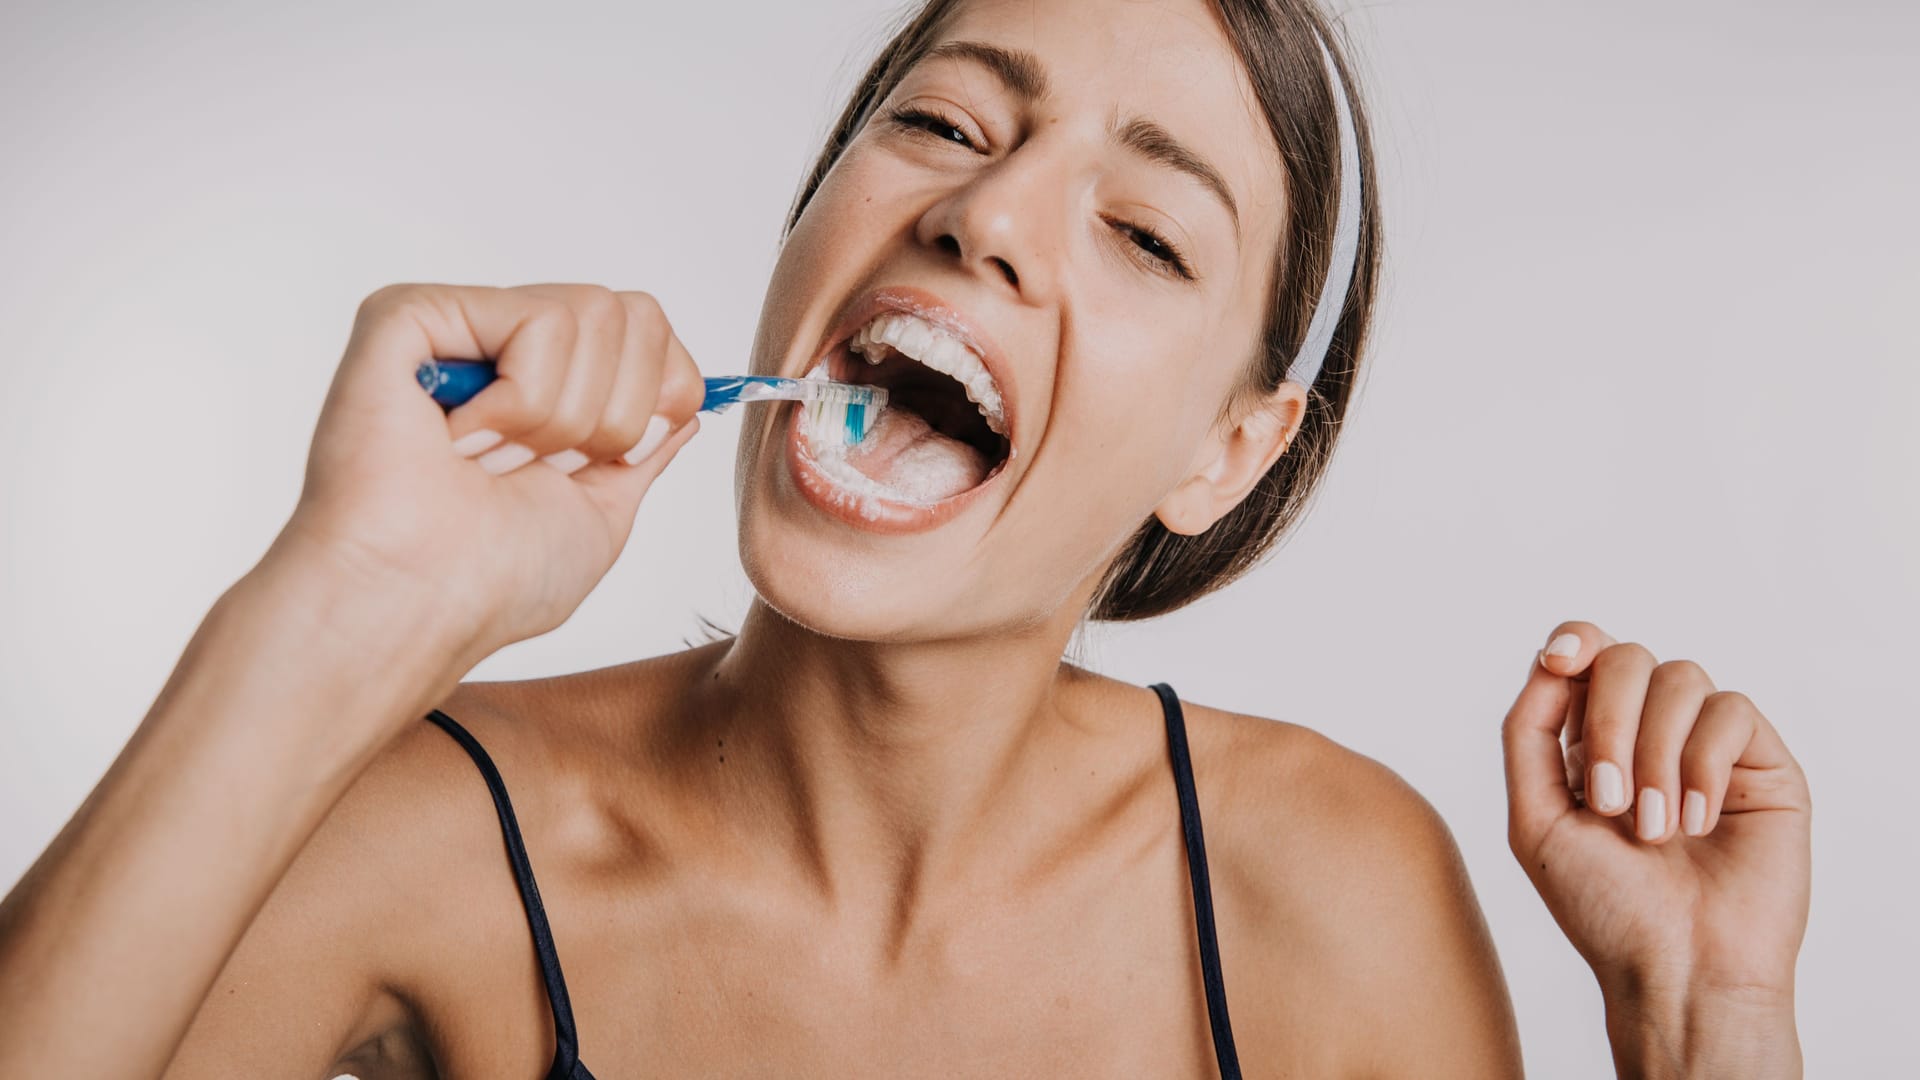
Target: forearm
[[1696, 1035], [288, 688]]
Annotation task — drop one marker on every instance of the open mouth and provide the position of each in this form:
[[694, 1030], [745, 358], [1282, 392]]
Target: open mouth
[[944, 430]]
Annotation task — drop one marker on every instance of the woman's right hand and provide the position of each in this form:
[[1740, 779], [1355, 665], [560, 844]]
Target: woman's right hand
[[506, 512]]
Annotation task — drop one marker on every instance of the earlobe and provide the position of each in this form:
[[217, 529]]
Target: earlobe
[[1232, 461]]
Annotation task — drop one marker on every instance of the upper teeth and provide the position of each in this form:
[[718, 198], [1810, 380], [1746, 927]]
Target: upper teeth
[[920, 340]]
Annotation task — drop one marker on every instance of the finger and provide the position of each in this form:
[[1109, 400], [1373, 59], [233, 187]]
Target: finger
[[399, 326], [1572, 646], [682, 390], [1576, 712], [1573, 735], [591, 367], [1676, 690], [630, 401], [1616, 694], [618, 487], [530, 339], [1723, 732], [1537, 792]]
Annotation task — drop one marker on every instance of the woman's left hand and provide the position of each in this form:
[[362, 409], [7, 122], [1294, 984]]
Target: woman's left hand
[[1669, 836]]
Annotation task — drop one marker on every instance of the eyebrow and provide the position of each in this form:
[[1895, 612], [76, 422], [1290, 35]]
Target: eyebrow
[[1157, 144], [1022, 73]]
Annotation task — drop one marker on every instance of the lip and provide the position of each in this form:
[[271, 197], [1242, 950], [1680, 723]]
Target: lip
[[869, 512]]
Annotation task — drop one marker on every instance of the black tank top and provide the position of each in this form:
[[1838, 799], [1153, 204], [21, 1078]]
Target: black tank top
[[566, 1054]]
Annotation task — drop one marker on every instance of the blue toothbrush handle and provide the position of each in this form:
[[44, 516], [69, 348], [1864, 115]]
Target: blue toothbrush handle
[[453, 383]]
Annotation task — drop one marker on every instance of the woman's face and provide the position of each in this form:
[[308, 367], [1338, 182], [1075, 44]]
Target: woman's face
[[1064, 219]]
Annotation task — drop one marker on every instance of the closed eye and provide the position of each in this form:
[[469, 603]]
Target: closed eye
[[1154, 247], [927, 123]]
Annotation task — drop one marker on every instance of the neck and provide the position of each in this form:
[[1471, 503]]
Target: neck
[[890, 763]]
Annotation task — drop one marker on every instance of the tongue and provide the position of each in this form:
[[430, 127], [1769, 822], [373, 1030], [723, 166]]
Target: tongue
[[903, 454]]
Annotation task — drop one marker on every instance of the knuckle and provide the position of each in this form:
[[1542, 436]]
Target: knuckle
[[1681, 672], [382, 302], [1731, 701], [643, 309], [1625, 654], [548, 312], [647, 322], [598, 306]]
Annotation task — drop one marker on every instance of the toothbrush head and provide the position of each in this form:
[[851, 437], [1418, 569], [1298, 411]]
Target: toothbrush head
[[841, 414]]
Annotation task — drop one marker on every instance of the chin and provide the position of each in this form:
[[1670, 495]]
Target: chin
[[836, 591]]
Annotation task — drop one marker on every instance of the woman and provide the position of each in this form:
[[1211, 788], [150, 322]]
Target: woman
[[884, 829]]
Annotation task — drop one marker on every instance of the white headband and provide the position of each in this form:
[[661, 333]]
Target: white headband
[[1346, 240]]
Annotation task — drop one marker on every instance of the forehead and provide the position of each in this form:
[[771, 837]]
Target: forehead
[[1169, 61]]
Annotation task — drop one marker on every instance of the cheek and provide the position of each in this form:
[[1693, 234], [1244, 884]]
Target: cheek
[[853, 212]]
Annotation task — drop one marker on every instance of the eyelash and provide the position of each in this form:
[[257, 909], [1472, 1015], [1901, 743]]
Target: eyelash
[[1146, 243]]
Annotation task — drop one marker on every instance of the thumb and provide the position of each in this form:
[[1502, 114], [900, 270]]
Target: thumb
[[1537, 793]]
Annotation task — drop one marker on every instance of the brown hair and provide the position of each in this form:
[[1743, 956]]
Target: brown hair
[[1157, 570]]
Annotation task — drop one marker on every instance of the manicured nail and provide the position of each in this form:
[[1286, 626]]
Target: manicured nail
[[506, 458], [566, 460], [1608, 790], [1566, 645], [1693, 814], [649, 442], [1652, 815], [475, 442]]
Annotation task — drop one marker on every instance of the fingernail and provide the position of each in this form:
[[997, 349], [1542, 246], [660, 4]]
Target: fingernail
[[649, 442], [1609, 788], [474, 442], [1566, 645], [506, 459], [566, 460], [1693, 814], [1652, 815]]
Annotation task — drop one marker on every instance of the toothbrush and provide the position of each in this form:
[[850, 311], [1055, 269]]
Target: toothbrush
[[849, 409]]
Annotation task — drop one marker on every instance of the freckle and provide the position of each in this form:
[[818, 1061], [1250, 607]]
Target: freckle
[[723, 759], [1543, 868]]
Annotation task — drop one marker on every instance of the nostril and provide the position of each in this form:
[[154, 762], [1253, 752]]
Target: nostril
[[950, 244]]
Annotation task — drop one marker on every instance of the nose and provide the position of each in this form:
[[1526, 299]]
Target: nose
[[1003, 223]]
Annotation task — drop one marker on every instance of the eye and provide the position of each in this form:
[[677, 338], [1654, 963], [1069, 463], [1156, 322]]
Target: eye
[[1154, 248], [925, 122]]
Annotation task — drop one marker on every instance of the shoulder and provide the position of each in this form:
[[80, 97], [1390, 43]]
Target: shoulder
[[408, 865], [401, 891], [412, 849], [1328, 859]]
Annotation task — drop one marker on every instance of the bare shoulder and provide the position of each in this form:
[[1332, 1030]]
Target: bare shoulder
[[401, 889], [1280, 791], [1342, 894]]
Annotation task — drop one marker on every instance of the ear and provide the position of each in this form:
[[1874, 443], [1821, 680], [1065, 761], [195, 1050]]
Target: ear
[[1232, 459]]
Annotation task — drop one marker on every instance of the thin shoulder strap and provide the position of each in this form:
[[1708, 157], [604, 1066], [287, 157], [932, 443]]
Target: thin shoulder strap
[[1216, 986], [566, 1045]]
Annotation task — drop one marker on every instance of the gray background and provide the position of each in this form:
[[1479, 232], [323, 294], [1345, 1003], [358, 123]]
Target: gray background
[[1646, 357]]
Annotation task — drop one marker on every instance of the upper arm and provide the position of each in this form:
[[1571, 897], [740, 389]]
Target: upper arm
[[1352, 887], [312, 977], [1424, 964]]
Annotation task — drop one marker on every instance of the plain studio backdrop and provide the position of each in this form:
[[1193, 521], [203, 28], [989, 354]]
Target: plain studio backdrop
[[1645, 357]]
